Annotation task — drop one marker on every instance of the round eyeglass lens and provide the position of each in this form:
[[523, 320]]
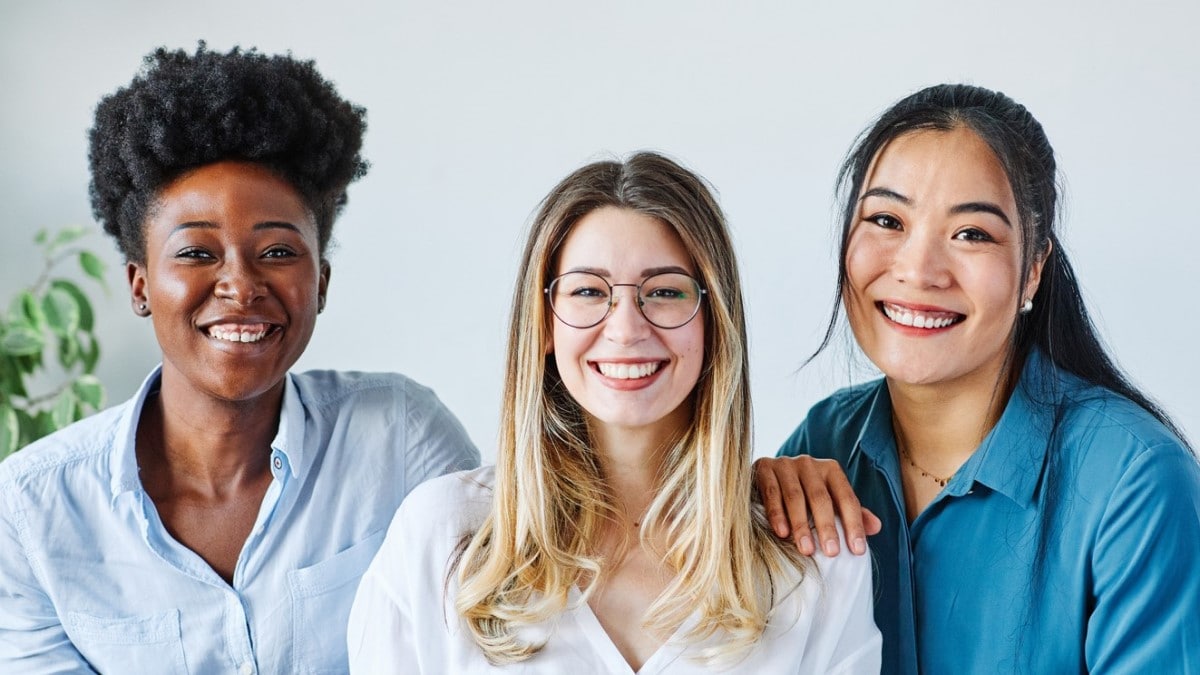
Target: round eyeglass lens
[[669, 300], [583, 299]]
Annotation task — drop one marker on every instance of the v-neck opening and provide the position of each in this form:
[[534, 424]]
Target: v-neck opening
[[666, 653]]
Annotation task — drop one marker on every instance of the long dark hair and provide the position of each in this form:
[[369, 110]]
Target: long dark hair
[[1059, 324]]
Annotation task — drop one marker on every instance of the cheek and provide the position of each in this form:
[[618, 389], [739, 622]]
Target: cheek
[[994, 287], [866, 259], [690, 348]]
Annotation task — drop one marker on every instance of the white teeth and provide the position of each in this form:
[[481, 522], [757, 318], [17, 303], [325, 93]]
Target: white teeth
[[905, 317], [237, 336], [627, 371]]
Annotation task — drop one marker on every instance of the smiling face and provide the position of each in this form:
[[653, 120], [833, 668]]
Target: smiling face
[[233, 280], [933, 261], [626, 372]]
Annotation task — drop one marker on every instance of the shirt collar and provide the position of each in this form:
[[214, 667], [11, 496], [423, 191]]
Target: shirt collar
[[123, 466], [877, 440], [288, 441], [1012, 457]]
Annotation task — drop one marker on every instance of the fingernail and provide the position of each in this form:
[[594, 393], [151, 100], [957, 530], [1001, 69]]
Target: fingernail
[[806, 545], [859, 545], [831, 548]]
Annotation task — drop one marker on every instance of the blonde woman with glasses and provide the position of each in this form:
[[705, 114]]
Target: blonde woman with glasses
[[615, 533]]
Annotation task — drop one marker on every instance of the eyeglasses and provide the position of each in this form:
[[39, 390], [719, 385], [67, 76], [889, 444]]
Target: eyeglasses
[[583, 299]]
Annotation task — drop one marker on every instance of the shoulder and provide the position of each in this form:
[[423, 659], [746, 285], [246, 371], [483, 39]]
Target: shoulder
[[468, 490], [336, 390], [447, 507], [1106, 430], [835, 421], [83, 447]]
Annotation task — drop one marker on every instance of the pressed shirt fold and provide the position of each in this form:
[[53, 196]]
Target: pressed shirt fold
[[93, 581]]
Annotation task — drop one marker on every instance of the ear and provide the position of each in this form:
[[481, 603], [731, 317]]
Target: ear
[[1035, 272], [322, 284], [136, 273]]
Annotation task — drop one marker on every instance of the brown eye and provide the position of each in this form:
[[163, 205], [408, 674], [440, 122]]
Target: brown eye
[[885, 221], [973, 234]]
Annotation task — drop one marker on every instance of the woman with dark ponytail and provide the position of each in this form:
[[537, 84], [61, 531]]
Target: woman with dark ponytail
[[1034, 511]]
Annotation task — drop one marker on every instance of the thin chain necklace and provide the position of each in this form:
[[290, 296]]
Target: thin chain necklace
[[937, 479]]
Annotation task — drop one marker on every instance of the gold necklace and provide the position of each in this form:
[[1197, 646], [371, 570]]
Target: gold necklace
[[937, 479]]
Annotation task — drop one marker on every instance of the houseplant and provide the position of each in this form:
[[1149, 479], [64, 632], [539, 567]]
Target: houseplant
[[48, 350]]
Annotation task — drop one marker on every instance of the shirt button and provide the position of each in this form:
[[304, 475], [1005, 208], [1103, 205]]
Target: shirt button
[[278, 463], [247, 668]]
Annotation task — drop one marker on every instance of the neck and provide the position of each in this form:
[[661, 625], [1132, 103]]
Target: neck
[[211, 444], [632, 459], [941, 425]]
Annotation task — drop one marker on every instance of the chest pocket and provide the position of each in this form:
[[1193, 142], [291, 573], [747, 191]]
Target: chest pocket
[[151, 643], [321, 599]]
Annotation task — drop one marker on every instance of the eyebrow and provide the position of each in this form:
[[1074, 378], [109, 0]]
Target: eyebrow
[[648, 272], [969, 207], [209, 225]]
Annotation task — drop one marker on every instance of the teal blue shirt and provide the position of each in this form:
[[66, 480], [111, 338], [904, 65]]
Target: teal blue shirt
[[1069, 542]]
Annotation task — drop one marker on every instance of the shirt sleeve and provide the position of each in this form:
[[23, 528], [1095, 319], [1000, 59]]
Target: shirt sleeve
[[34, 640], [845, 634], [1146, 616], [437, 442]]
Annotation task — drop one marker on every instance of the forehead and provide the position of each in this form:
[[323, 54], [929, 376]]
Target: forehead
[[229, 193], [620, 239], [942, 168]]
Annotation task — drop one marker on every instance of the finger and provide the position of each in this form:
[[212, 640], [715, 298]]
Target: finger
[[820, 505], [795, 503], [850, 509], [768, 489], [872, 522]]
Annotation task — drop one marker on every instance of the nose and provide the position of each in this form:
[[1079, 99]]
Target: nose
[[625, 324], [922, 260], [240, 281]]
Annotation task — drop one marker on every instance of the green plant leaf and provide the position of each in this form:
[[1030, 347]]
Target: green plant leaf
[[86, 317], [66, 236], [68, 351], [12, 381], [43, 425], [90, 391], [25, 309], [90, 353], [63, 412], [28, 428], [41, 237], [21, 340], [10, 431], [62, 314], [92, 266]]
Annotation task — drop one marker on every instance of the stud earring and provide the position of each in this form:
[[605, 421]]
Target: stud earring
[[1027, 307]]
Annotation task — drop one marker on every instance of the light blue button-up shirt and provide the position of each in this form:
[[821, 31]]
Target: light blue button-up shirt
[[90, 578], [1068, 543]]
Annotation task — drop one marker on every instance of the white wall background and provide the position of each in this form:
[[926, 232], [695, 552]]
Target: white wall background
[[477, 108]]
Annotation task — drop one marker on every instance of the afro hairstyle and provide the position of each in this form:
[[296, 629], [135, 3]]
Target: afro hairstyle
[[182, 111]]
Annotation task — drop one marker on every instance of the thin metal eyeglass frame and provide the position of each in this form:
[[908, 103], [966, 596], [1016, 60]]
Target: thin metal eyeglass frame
[[612, 299]]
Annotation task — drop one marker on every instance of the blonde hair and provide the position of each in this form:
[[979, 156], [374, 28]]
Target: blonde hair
[[550, 497]]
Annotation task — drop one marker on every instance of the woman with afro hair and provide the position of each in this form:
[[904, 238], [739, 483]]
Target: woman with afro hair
[[218, 521]]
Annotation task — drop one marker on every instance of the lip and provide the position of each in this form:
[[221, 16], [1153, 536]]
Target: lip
[[927, 320], [630, 384]]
